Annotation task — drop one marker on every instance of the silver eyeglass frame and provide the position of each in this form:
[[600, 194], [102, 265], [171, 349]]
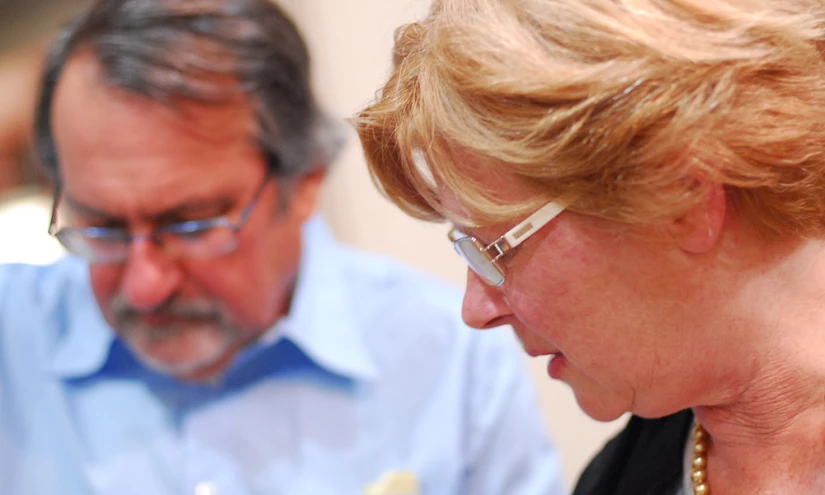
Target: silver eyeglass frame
[[64, 234], [493, 252]]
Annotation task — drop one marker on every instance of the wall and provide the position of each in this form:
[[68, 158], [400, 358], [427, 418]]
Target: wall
[[28, 21]]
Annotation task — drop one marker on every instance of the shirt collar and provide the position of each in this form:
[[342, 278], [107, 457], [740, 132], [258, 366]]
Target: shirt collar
[[321, 320]]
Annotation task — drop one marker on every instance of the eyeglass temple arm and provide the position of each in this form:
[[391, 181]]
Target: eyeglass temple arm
[[526, 228], [53, 216]]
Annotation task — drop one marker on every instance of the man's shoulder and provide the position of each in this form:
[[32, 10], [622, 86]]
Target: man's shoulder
[[33, 281], [344, 271], [379, 274], [39, 305], [39, 291], [409, 309]]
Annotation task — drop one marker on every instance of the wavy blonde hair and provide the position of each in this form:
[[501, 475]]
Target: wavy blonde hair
[[625, 107]]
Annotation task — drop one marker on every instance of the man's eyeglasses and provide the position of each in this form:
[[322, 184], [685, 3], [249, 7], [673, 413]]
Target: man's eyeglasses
[[484, 260], [192, 239]]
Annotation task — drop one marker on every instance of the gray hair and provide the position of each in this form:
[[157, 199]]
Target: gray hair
[[167, 49]]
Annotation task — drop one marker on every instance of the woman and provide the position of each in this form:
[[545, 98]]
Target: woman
[[638, 188]]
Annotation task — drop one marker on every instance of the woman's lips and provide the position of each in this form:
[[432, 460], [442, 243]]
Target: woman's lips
[[536, 352], [556, 366]]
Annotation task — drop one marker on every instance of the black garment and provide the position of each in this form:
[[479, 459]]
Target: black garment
[[646, 458]]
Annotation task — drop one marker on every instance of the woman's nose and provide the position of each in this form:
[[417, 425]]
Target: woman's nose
[[483, 304]]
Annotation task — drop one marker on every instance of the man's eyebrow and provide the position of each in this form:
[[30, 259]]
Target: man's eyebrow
[[84, 209], [219, 205]]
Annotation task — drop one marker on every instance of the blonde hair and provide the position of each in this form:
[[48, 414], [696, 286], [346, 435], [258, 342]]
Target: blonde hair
[[624, 107]]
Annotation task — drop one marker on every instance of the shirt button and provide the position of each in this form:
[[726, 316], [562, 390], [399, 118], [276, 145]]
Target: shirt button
[[206, 488]]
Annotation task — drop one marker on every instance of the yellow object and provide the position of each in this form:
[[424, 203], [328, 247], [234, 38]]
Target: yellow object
[[395, 483]]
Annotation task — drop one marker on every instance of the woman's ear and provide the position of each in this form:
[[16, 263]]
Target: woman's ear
[[698, 230]]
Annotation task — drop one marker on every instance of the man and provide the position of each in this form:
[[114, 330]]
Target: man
[[215, 339]]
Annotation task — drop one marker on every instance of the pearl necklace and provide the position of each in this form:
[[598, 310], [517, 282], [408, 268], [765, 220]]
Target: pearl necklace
[[699, 475]]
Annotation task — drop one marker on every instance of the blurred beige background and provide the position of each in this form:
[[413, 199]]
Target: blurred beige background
[[351, 43]]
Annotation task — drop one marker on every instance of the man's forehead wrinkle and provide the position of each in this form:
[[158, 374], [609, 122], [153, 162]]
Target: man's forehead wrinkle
[[228, 123], [189, 68], [233, 114], [158, 207], [192, 7]]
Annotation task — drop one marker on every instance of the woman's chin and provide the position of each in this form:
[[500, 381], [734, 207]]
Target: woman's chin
[[597, 409]]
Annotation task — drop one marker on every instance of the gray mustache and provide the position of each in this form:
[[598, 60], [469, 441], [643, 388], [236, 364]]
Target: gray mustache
[[124, 313]]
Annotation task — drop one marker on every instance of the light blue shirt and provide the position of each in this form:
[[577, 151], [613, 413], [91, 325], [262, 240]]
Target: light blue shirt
[[371, 372]]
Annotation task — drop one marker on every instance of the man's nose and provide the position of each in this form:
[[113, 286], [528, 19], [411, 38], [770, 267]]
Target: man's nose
[[150, 276], [483, 304]]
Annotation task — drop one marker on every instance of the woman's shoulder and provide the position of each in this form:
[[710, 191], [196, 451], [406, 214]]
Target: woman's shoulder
[[644, 458]]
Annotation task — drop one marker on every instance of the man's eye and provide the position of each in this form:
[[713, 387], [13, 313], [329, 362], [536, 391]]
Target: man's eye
[[96, 223], [191, 231], [193, 234]]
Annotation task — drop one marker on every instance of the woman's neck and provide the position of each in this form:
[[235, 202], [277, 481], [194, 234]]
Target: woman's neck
[[767, 456], [770, 436]]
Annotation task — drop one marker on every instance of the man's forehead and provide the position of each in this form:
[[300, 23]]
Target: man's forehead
[[83, 96], [97, 127], [123, 156]]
